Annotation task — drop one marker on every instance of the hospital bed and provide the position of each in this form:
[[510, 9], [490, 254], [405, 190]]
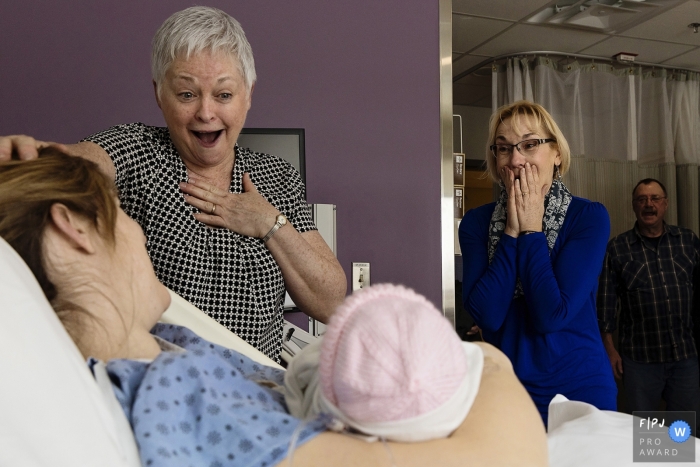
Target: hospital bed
[[54, 412]]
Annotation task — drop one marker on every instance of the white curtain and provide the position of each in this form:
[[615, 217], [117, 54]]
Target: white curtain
[[622, 126]]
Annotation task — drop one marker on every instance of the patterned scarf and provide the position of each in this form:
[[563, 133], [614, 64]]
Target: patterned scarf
[[556, 203]]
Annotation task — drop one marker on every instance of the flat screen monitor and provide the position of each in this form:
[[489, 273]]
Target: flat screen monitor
[[287, 143]]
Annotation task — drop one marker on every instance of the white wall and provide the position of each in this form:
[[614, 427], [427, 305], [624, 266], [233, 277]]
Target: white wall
[[475, 129]]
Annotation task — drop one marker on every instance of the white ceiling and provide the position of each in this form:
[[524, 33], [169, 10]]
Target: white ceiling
[[483, 29]]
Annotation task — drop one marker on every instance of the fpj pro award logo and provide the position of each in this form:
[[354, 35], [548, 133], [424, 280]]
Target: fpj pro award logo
[[664, 436]]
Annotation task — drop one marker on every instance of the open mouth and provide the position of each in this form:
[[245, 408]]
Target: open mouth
[[207, 138]]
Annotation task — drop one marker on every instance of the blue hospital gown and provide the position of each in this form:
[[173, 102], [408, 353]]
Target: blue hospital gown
[[204, 407]]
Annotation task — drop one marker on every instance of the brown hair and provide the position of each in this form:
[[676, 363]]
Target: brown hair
[[28, 189], [649, 181], [521, 112]]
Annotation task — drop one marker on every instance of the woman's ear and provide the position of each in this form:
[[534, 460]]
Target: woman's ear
[[155, 90], [74, 228], [250, 96]]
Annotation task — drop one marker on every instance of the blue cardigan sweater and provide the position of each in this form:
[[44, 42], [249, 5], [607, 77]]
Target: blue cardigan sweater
[[551, 333]]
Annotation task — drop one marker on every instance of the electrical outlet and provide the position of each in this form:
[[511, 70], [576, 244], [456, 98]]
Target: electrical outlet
[[360, 276]]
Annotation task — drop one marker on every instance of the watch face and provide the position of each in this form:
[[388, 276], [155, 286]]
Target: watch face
[[281, 220]]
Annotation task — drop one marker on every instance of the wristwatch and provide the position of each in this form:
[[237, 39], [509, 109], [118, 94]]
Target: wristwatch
[[280, 221]]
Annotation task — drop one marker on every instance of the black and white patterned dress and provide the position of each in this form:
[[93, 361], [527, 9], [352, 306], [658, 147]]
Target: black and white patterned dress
[[231, 277]]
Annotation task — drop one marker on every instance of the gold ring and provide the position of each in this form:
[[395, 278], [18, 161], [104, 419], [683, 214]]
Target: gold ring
[[213, 208]]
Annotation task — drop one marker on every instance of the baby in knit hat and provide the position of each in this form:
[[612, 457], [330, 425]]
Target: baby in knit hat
[[389, 366]]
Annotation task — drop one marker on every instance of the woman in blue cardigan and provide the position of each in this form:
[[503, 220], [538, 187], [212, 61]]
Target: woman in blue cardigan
[[532, 260]]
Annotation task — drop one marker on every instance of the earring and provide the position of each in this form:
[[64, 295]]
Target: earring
[[557, 174]]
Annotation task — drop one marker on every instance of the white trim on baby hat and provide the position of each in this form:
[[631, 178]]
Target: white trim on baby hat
[[437, 423]]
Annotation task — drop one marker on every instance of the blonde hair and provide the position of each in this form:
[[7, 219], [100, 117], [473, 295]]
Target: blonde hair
[[28, 189], [520, 113]]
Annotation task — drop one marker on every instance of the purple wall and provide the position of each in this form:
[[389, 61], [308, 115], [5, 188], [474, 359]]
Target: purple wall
[[361, 77]]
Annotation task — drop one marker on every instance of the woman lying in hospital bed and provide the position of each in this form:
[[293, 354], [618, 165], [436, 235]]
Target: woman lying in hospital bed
[[189, 401]]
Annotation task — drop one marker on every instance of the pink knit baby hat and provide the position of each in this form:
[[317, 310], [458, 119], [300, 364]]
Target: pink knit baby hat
[[388, 354]]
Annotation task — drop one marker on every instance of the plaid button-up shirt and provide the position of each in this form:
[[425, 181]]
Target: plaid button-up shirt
[[654, 285]]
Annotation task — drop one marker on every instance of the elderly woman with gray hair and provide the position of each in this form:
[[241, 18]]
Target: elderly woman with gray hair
[[227, 228]]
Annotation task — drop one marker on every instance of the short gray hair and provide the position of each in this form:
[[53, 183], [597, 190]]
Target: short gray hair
[[198, 29]]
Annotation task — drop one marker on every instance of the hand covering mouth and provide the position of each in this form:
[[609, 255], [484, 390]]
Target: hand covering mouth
[[207, 137]]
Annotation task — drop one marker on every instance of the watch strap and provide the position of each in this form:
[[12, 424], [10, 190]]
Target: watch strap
[[278, 223], [272, 231]]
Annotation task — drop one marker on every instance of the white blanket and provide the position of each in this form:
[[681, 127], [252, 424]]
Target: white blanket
[[580, 435]]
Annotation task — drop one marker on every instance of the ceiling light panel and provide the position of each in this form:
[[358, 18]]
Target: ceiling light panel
[[608, 16]]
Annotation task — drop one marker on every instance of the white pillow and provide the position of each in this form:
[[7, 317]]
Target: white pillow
[[183, 313], [52, 411]]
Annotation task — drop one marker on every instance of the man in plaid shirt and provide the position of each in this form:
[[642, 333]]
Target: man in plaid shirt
[[652, 272]]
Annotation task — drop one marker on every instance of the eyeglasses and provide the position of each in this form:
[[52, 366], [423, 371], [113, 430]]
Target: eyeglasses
[[642, 200], [527, 147]]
